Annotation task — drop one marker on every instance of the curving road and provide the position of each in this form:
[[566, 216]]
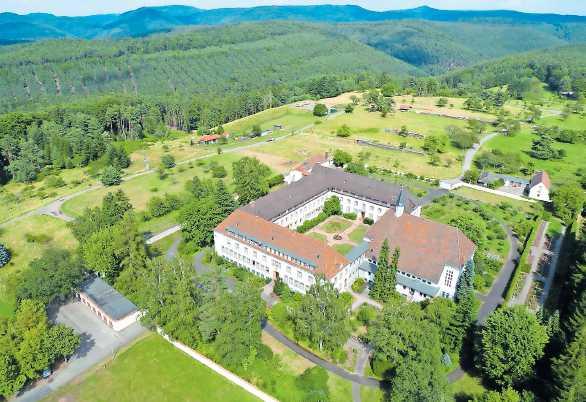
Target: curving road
[[469, 157]]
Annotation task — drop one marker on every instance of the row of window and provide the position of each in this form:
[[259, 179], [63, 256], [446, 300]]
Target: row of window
[[262, 265]]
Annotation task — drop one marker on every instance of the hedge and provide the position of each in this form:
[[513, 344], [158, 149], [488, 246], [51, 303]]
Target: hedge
[[523, 264]]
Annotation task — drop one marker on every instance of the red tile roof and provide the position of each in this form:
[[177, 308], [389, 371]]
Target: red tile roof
[[540, 177], [209, 137], [262, 233], [305, 166], [425, 246]]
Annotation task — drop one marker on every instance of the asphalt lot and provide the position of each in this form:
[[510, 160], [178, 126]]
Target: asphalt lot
[[98, 343]]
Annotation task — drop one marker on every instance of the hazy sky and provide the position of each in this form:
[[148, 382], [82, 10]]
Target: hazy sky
[[85, 7]]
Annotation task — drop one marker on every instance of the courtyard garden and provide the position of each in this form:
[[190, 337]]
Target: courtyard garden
[[339, 232]]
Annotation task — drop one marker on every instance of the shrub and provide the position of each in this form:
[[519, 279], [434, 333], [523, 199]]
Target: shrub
[[111, 176], [343, 131], [41, 238], [349, 108], [368, 221], [4, 256], [341, 158], [219, 171], [54, 182], [158, 206], [311, 223], [320, 110], [350, 215], [168, 161], [366, 314], [275, 180], [358, 285]]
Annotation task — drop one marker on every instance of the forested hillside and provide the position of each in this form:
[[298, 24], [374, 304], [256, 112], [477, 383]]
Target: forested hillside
[[438, 47], [562, 69], [148, 20], [209, 60]]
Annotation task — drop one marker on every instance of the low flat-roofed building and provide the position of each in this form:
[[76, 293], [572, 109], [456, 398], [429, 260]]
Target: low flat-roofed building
[[108, 304]]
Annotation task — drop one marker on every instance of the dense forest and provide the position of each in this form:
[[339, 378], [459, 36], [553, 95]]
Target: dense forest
[[562, 69], [229, 59]]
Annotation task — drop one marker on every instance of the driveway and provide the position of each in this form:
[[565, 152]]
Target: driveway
[[469, 157], [99, 342]]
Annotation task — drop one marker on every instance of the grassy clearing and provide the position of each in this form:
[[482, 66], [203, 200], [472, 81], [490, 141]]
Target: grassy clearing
[[318, 236], [47, 232], [301, 146], [357, 235], [368, 394], [17, 198], [561, 171], [287, 116], [140, 189], [493, 199], [467, 388], [335, 225], [454, 108], [152, 370]]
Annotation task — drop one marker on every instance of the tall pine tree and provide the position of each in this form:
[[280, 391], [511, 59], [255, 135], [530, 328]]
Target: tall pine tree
[[382, 267], [224, 200], [385, 278]]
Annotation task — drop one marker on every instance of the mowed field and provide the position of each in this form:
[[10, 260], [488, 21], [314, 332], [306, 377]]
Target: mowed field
[[27, 239], [152, 370]]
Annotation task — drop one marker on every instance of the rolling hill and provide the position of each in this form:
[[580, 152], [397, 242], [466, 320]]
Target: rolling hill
[[148, 20], [233, 58]]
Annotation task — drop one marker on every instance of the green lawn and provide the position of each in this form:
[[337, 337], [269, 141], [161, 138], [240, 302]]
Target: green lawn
[[152, 370], [318, 236], [561, 171], [335, 225], [343, 248], [357, 235], [369, 394], [287, 116], [466, 388], [50, 233]]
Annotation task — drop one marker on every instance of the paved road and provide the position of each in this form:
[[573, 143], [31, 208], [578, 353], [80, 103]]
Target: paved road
[[99, 342], [363, 357], [469, 158], [53, 208], [163, 234]]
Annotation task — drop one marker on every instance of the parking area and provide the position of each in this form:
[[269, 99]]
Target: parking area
[[98, 342]]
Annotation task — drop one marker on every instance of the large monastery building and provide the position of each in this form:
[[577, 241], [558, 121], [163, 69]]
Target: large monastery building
[[261, 236]]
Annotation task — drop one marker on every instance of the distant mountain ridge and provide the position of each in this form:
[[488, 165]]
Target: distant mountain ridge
[[144, 21]]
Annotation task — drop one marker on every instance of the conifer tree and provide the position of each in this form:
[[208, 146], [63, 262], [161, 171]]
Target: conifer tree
[[463, 316], [385, 278], [224, 200], [570, 370], [381, 268]]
